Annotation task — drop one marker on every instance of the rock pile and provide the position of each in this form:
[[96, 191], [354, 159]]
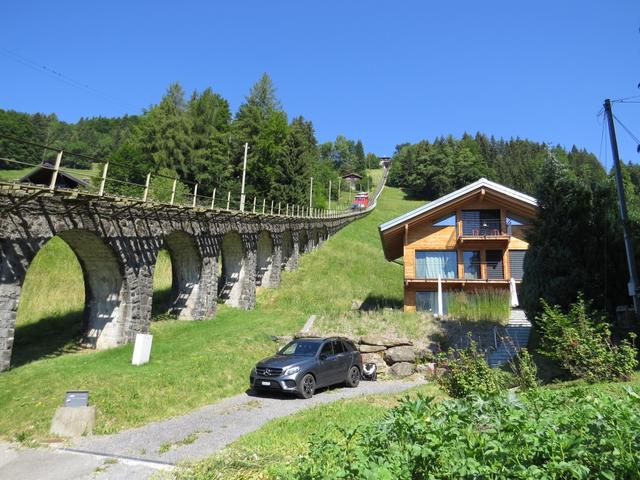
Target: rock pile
[[397, 356]]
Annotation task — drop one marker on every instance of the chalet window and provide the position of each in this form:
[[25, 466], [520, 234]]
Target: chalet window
[[448, 221], [428, 302], [515, 221], [471, 264], [516, 262], [494, 265], [436, 263]]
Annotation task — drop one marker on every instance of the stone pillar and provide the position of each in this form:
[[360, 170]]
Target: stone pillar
[[276, 261], [292, 262], [206, 302], [247, 299], [12, 271]]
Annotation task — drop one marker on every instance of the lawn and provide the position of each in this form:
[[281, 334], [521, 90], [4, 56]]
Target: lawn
[[193, 363], [12, 175]]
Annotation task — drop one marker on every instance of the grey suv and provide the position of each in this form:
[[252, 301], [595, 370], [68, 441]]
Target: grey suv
[[306, 364]]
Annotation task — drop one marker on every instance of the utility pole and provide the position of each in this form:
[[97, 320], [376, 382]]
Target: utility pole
[[244, 174], [339, 181], [311, 194], [634, 288], [329, 194]]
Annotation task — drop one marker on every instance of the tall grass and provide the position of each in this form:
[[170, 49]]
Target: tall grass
[[481, 305]]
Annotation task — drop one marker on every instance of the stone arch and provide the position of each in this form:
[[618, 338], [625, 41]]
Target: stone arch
[[232, 269], [185, 274], [288, 251], [264, 260], [303, 242]]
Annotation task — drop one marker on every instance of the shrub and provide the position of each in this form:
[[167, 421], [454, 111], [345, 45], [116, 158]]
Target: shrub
[[582, 345], [544, 434], [481, 305], [466, 373], [525, 370]]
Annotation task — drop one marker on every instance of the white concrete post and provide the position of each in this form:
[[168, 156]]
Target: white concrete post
[[244, 174], [228, 199], [142, 349], [264, 204], [195, 195], [440, 307], [56, 169], [213, 199], [254, 205], [103, 180], [173, 190], [146, 187]]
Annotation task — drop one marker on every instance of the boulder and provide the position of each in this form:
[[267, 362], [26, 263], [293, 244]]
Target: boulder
[[377, 359], [402, 369], [371, 348], [384, 341], [427, 369], [400, 354]]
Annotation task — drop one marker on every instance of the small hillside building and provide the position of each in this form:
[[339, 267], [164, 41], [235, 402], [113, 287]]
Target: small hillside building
[[470, 239], [42, 174]]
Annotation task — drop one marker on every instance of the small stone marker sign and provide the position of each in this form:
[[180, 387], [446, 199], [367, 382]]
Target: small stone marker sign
[[142, 349], [78, 398], [75, 418]]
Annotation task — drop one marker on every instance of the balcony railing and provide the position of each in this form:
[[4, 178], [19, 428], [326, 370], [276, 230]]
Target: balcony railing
[[482, 228]]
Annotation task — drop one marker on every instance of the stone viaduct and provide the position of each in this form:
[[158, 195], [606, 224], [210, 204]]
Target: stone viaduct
[[216, 255]]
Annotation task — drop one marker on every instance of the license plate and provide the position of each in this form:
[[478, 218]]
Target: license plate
[[266, 384]]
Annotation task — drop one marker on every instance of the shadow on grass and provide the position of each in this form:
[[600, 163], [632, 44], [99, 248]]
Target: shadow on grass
[[378, 302], [160, 305], [47, 338]]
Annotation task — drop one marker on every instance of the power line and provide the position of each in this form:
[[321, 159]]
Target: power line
[[635, 139], [60, 76]]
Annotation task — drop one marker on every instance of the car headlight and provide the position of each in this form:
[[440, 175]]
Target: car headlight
[[291, 371]]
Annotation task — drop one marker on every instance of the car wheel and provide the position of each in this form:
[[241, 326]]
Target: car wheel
[[307, 386], [353, 377]]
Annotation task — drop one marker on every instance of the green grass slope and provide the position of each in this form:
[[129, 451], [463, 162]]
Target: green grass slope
[[192, 363]]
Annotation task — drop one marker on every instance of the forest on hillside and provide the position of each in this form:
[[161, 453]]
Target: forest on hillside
[[432, 169], [201, 141]]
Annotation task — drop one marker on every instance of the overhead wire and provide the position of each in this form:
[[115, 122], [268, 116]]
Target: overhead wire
[[39, 67]]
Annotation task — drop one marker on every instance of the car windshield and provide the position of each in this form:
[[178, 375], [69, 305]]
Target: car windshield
[[306, 348]]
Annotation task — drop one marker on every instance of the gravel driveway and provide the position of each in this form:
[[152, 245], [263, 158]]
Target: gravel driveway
[[141, 452], [209, 429]]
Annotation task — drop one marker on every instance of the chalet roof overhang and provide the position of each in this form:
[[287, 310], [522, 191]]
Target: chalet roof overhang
[[392, 233]]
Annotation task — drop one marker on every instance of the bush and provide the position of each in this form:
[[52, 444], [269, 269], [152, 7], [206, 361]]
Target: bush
[[582, 345], [482, 305], [466, 373], [544, 434], [525, 370]]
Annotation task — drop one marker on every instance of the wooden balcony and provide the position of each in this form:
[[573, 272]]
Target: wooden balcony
[[484, 230]]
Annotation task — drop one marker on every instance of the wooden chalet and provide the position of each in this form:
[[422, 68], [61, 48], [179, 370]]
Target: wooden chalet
[[473, 238]]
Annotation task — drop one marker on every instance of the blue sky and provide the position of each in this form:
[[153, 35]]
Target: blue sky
[[385, 72]]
